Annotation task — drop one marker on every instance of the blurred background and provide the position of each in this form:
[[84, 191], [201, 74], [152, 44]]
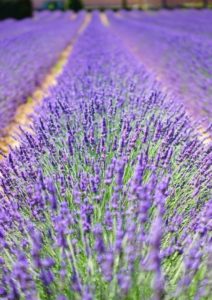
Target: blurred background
[[24, 8]]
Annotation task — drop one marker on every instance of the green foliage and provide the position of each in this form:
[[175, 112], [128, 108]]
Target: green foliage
[[75, 5], [17, 9], [54, 5]]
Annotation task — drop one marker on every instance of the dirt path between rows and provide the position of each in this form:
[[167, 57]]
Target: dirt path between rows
[[104, 19], [22, 117]]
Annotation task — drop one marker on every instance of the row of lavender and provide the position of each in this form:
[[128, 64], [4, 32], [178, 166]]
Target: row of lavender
[[177, 46], [28, 49], [110, 197], [10, 27]]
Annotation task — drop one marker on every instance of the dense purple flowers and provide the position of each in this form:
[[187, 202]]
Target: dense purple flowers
[[109, 196], [28, 49], [176, 46]]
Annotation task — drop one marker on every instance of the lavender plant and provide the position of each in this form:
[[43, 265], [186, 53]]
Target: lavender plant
[[25, 58], [109, 198], [177, 47], [11, 27]]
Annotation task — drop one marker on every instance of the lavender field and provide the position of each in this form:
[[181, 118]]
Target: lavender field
[[106, 194]]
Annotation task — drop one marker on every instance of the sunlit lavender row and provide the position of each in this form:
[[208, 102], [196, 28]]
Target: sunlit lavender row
[[109, 194], [27, 52], [177, 47]]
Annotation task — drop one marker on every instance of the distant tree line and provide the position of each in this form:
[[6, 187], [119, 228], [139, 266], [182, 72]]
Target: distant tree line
[[20, 9], [23, 8], [75, 5], [165, 3], [17, 9]]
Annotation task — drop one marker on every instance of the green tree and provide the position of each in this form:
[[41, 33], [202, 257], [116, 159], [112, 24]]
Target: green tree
[[17, 9], [124, 4], [164, 3], [75, 5], [205, 3]]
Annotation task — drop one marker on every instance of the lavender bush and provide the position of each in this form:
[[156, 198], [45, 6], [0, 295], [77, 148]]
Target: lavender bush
[[109, 198], [10, 27], [26, 58], [177, 47]]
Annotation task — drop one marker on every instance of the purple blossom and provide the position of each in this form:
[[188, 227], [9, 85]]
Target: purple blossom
[[108, 195]]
